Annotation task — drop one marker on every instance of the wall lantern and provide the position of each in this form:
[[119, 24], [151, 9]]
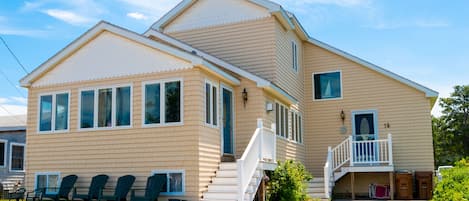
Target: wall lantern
[[342, 116], [245, 96]]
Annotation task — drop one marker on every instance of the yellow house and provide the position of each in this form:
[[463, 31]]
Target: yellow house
[[211, 95]]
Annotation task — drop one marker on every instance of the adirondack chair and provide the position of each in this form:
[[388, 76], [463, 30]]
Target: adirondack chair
[[152, 191], [123, 186], [94, 191], [64, 190]]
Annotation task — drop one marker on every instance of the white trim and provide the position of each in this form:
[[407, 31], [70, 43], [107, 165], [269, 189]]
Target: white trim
[[53, 112], [167, 172], [293, 128], [341, 86], [375, 120], [90, 35], [233, 116], [295, 56], [47, 174], [428, 92], [162, 83], [11, 156], [113, 107], [286, 130], [5, 142], [211, 104]]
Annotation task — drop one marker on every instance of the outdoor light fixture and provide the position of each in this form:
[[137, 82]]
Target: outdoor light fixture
[[245, 96], [342, 116]]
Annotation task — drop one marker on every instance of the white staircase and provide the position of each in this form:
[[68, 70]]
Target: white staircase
[[356, 156], [239, 181], [9, 181], [315, 188]]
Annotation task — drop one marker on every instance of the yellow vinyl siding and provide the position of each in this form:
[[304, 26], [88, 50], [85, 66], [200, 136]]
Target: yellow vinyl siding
[[404, 108], [116, 152], [249, 45]]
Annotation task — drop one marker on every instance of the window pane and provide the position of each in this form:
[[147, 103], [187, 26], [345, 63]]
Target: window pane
[[41, 181], [53, 183], [87, 109], [61, 112], [175, 182], [165, 186], [215, 115], [45, 113], [173, 102], [104, 108], [207, 103], [17, 156], [282, 122], [286, 123], [277, 119], [301, 130], [327, 85], [152, 104], [2, 153], [292, 130], [123, 106]]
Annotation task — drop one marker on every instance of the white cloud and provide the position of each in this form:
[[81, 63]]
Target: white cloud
[[410, 23], [341, 3], [11, 106], [69, 17], [137, 16], [150, 8], [5, 30]]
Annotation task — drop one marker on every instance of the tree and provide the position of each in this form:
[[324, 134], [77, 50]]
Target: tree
[[451, 130]]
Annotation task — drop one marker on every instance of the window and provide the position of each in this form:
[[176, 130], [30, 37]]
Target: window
[[296, 129], [3, 152], [162, 102], [294, 48], [281, 116], [211, 104], [174, 182], [49, 180], [327, 85], [16, 157], [53, 112], [106, 107]]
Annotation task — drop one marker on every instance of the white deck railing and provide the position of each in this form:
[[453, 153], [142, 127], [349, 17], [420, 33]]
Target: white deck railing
[[261, 147], [366, 152]]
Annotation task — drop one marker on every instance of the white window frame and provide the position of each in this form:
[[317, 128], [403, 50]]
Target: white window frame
[[295, 57], [375, 120], [216, 86], [341, 86], [11, 156], [113, 104], [162, 83], [4, 153], [167, 172], [294, 130], [54, 105], [47, 180], [285, 133]]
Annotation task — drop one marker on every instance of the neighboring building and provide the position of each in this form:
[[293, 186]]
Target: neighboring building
[[201, 88], [12, 150]]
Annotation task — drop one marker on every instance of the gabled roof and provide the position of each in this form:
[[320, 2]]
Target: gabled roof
[[105, 26], [289, 20]]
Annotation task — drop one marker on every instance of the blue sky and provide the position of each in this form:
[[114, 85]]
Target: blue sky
[[425, 41]]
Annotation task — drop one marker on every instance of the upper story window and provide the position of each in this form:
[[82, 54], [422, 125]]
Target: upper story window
[[327, 85], [295, 59], [162, 102], [281, 120], [16, 157], [211, 103], [106, 107], [53, 112]]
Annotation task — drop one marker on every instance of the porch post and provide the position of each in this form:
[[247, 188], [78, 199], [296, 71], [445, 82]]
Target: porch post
[[391, 185], [350, 140], [352, 182], [390, 149]]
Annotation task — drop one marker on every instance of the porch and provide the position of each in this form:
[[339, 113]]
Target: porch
[[358, 156]]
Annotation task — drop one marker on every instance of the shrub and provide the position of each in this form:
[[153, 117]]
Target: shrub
[[288, 182], [455, 183]]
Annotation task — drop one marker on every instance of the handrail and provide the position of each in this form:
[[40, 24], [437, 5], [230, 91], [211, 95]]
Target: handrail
[[253, 154], [328, 174]]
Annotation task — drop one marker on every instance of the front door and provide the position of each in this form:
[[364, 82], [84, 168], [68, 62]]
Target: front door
[[227, 114], [365, 130]]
